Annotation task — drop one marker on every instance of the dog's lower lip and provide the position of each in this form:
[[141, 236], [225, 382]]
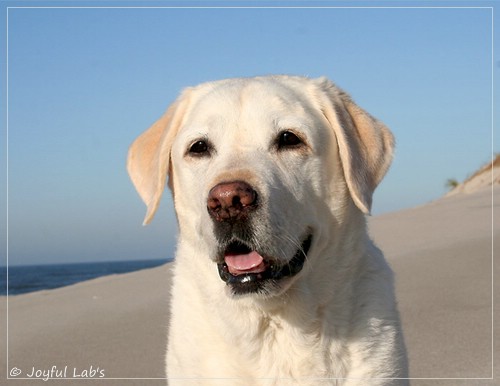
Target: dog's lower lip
[[253, 282]]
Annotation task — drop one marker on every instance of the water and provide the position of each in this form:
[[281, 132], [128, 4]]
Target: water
[[24, 279]]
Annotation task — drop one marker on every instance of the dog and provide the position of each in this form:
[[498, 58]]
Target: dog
[[276, 281]]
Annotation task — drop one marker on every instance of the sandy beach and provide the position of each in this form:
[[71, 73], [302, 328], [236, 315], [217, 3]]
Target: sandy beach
[[115, 326]]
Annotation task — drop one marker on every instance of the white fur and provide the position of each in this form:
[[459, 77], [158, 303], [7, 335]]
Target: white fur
[[336, 322]]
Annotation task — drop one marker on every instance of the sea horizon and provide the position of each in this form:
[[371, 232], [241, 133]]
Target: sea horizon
[[29, 278]]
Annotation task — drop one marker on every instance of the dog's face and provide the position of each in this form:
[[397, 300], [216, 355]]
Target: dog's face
[[261, 170], [246, 166]]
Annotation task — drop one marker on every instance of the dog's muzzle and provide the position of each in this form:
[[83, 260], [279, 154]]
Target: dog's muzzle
[[231, 206]]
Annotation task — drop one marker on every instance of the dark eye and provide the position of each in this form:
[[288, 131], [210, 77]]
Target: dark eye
[[199, 148], [288, 139]]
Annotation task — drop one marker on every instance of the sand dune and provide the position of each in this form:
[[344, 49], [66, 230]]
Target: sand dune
[[484, 177], [116, 325]]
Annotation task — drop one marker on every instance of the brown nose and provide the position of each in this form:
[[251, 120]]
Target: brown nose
[[231, 201]]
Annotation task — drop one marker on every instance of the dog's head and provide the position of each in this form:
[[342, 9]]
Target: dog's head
[[262, 171]]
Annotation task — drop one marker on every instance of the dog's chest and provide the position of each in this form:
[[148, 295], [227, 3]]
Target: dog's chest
[[280, 350]]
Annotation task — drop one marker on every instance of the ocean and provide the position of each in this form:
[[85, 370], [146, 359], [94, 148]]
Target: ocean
[[30, 278]]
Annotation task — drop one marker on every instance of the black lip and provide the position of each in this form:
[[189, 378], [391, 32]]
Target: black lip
[[257, 282]]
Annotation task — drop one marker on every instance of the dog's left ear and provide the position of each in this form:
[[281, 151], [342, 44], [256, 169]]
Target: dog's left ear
[[365, 144], [148, 160]]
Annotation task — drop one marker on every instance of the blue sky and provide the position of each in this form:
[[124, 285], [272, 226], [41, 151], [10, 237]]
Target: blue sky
[[83, 83]]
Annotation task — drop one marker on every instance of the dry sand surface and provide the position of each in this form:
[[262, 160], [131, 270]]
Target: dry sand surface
[[442, 256], [441, 253]]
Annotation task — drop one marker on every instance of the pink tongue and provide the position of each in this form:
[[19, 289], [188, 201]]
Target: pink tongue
[[247, 263]]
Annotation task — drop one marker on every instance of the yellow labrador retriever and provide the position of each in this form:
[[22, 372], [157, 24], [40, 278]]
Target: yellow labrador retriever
[[276, 280]]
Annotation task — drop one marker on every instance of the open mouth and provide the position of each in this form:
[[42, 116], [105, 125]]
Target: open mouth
[[246, 271]]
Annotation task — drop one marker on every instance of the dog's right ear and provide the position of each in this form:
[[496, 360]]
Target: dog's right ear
[[149, 155]]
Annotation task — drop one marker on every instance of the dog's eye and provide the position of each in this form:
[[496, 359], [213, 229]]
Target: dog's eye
[[199, 148], [287, 139]]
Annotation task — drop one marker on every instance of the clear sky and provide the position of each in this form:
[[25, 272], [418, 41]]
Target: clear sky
[[83, 83]]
